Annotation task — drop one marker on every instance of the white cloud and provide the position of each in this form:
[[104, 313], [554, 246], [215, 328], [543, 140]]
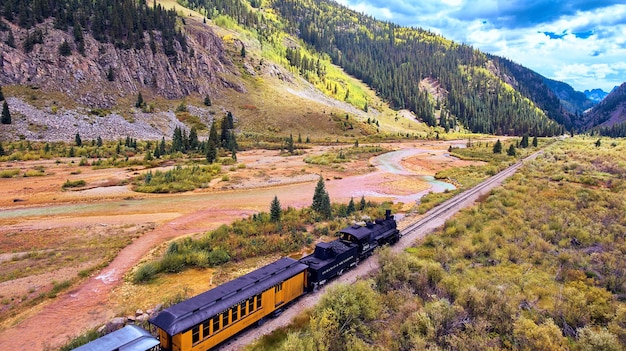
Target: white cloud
[[589, 55]]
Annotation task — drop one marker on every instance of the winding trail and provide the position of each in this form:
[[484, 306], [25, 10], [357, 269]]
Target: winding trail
[[87, 306]]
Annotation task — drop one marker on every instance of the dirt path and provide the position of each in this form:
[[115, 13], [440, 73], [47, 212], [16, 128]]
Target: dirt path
[[89, 305]]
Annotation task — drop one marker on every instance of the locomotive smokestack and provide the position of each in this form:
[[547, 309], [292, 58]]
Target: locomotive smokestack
[[387, 214]]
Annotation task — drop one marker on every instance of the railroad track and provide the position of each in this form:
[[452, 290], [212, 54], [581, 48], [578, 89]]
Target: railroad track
[[438, 215], [415, 231]]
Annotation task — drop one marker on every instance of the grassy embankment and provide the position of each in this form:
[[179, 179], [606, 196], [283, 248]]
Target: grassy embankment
[[537, 264]]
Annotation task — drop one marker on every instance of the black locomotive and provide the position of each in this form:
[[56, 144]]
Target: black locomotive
[[355, 243]]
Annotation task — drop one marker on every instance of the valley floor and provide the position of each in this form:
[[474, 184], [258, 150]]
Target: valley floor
[[52, 237]]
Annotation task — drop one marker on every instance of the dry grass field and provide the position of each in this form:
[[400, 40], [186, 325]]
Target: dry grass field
[[65, 253]]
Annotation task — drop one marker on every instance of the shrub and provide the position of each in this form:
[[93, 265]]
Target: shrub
[[145, 273], [74, 184]]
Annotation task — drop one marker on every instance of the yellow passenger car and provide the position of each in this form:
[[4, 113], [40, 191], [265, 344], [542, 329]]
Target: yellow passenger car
[[208, 319]]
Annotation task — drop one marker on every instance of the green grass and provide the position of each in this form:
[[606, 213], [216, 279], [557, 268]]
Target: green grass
[[9, 173], [178, 179], [536, 264], [74, 184]]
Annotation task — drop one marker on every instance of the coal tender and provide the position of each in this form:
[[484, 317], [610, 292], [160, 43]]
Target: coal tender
[[328, 260]]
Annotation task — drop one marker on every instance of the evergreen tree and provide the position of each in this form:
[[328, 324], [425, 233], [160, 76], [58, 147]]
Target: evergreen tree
[[511, 151], [321, 200], [497, 147], [111, 74], [299, 138], [99, 141], [157, 153], [72, 152], [6, 114], [289, 142], [140, 103], [275, 210], [10, 39], [162, 146], [524, 142], [363, 203], [207, 101], [598, 143], [243, 51], [351, 207], [193, 139], [1, 94], [77, 140], [211, 154], [213, 139], [65, 49], [177, 140], [535, 141], [2, 153]]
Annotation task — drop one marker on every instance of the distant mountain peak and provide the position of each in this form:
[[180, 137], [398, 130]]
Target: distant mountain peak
[[596, 95]]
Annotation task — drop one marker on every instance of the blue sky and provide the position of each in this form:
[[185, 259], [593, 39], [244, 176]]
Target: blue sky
[[580, 42]]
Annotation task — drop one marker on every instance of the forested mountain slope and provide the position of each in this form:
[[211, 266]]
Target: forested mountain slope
[[392, 59], [610, 114], [112, 48]]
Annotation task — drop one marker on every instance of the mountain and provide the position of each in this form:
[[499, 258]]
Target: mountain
[[574, 101], [596, 95], [241, 54], [609, 116]]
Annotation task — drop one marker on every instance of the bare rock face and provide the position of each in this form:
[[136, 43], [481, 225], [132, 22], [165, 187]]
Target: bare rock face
[[199, 69]]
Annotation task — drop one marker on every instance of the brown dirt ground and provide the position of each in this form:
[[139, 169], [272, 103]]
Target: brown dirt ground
[[59, 236]]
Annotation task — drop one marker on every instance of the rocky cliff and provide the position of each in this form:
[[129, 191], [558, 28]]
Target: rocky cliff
[[202, 68]]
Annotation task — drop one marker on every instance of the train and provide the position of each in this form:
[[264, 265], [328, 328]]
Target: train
[[210, 318]]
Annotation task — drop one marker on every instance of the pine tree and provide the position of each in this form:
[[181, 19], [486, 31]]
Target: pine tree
[[289, 142], [1, 94], [140, 103], [10, 39], [99, 141], [243, 51], [211, 153], [535, 141], [207, 101], [110, 74], [162, 146], [351, 207], [193, 139], [6, 114], [1, 150], [363, 203], [275, 210], [524, 142], [497, 147], [511, 151], [77, 140], [598, 143], [65, 49], [177, 140], [321, 200], [213, 139]]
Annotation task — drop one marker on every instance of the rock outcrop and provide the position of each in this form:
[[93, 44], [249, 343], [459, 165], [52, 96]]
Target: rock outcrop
[[202, 68]]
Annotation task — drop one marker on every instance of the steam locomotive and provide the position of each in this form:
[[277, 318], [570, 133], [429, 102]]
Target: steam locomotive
[[208, 319]]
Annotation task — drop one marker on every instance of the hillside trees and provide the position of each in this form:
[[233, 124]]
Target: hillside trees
[[6, 114], [479, 99], [121, 22]]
